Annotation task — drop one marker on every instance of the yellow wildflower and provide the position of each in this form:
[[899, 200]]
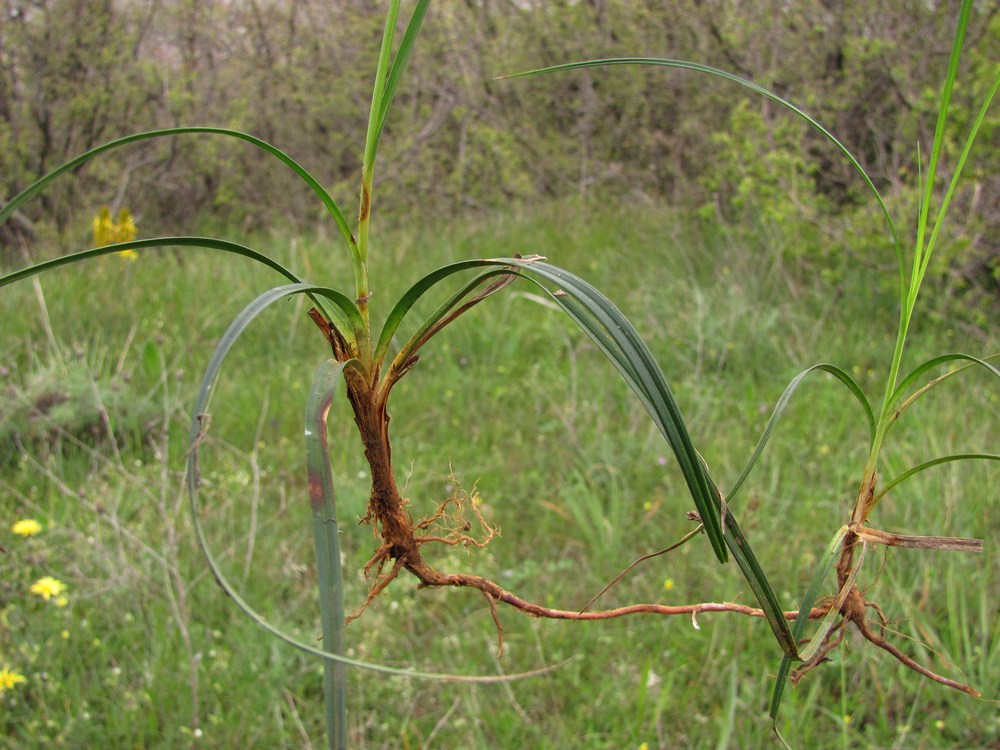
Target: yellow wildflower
[[9, 679], [108, 231], [668, 584], [103, 227], [125, 229], [26, 527], [48, 587]]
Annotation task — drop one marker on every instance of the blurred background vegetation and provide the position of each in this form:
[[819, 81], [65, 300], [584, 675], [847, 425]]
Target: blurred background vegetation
[[75, 73]]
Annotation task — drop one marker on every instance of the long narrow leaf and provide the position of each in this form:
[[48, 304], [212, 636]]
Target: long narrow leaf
[[197, 434], [931, 464], [381, 78], [960, 166], [326, 539], [72, 164], [666, 413], [779, 409], [344, 313], [823, 569], [399, 62], [414, 293], [732, 534], [756, 88], [935, 362], [209, 243], [922, 257]]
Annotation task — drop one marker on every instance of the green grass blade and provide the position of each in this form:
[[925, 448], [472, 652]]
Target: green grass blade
[[389, 75], [780, 406], [209, 243], [761, 587], [756, 88], [381, 79], [935, 362], [326, 539], [451, 309], [973, 132], [823, 569], [399, 63], [344, 315], [932, 463], [197, 434], [922, 257], [72, 164], [632, 354], [414, 293]]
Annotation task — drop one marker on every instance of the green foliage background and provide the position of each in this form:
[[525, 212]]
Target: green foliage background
[[74, 73]]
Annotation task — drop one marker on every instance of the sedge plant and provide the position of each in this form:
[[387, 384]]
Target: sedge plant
[[368, 363]]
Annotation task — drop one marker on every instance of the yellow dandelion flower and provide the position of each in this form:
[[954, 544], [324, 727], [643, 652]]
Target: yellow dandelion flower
[[26, 527], [669, 584], [61, 601], [9, 679], [48, 587]]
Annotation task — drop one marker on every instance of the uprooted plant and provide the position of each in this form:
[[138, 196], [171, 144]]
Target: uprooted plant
[[369, 371]]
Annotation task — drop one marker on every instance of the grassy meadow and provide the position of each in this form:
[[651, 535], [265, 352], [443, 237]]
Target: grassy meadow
[[515, 404]]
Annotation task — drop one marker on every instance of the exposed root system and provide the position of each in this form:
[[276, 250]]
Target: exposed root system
[[459, 521], [854, 611]]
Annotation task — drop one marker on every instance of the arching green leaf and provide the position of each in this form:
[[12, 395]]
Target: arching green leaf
[[756, 88], [72, 164], [196, 435], [344, 314], [781, 405], [930, 364], [913, 470]]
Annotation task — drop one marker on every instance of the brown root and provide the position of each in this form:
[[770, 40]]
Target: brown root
[[380, 584], [450, 524], [854, 611], [401, 540]]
